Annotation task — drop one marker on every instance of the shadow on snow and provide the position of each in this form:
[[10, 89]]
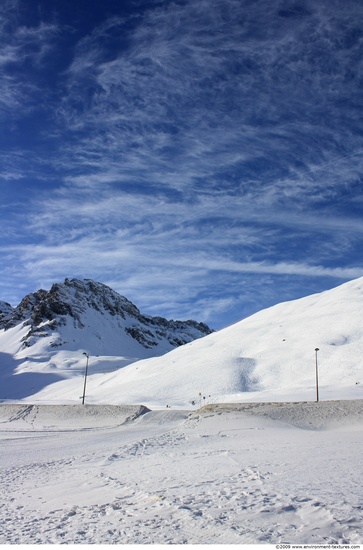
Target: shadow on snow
[[25, 384]]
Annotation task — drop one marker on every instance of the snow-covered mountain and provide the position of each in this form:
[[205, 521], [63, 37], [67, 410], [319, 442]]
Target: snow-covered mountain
[[269, 356], [49, 331], [79, 311]]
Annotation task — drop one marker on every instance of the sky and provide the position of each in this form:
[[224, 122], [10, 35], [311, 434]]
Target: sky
[[202, 157]]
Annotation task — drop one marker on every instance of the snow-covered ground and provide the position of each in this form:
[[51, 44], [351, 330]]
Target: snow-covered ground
[[225, 474]]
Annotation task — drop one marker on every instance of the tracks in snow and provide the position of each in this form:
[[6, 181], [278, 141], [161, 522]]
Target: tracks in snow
[[194, 480]]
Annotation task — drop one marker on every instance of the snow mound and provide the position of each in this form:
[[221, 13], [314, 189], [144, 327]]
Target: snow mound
[[304, 415], [67, 417]]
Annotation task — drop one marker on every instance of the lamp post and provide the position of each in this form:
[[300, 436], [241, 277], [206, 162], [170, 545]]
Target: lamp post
[[316, 374], [85, 378]]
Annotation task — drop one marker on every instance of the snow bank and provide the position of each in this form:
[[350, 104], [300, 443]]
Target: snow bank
[[67, 417], [305, 415]]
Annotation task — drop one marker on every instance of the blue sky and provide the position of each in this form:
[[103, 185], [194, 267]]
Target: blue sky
[[202, 157]]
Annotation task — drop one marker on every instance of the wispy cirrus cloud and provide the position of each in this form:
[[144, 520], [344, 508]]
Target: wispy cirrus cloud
[[191, 147], [211, 92], [21, 48], [176, 257]]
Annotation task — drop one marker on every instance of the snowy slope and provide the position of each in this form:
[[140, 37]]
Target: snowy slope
[[43, 339], [269, 356]]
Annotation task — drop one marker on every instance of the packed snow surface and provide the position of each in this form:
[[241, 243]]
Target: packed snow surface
[[225, 474]]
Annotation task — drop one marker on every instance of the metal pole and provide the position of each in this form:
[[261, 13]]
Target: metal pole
[[316, 374], [85, 378]]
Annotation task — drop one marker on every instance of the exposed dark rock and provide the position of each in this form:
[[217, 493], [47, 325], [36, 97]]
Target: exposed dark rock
[[6, 310], [68, 303]]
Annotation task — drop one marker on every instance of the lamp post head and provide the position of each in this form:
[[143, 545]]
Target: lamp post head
[[316, 349]]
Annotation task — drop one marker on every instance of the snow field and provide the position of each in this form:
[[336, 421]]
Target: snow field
[[225, 474]]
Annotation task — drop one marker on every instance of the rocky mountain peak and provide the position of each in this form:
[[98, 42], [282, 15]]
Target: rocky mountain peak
[[82, 304]]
